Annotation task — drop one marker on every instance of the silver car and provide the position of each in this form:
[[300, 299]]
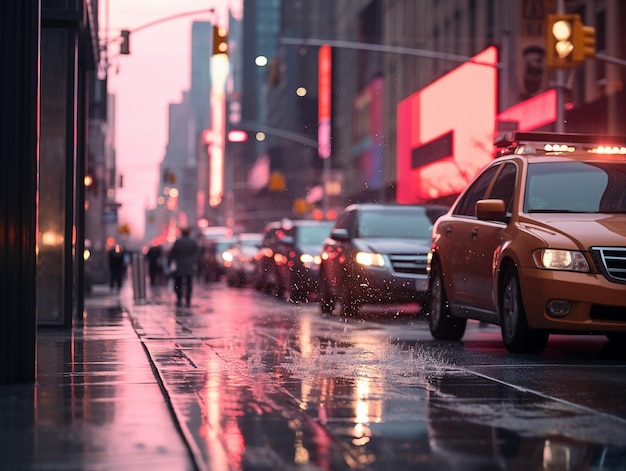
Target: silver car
[[377, 254]]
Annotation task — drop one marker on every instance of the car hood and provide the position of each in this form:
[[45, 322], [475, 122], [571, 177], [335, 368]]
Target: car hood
[[584, 230], [389, 245]]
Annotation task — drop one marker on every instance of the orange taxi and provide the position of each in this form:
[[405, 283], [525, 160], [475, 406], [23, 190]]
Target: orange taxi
[[536, 243]]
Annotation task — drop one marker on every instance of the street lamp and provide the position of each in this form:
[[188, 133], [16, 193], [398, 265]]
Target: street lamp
[[219, 74]]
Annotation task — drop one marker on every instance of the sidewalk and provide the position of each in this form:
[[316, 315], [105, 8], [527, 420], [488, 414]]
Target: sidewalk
[[97, 404]]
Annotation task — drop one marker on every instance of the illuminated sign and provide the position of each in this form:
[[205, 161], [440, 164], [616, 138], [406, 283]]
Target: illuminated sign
[[324, 97], [532, 113], [237, 135], [446, 131]]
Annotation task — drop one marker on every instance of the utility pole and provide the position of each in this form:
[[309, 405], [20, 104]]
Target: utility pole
[[560, 84]]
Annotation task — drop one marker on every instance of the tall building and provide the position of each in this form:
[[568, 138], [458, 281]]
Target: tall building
[[418, 96], [184, 174], [257, 48], [376, 91], [200, 92], [279, 105]]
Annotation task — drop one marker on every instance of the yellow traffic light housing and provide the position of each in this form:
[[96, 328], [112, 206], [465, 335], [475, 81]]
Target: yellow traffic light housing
[[220, 40], [584, 42], [568, 41], [560, 40]]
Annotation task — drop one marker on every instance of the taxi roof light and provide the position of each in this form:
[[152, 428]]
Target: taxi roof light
[[608, 150], [531, 142], [558, 148]]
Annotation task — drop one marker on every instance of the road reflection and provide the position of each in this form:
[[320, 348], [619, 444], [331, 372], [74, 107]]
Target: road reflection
[[263, 384]]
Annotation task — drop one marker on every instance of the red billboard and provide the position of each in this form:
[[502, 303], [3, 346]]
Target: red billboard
[[446, 131]]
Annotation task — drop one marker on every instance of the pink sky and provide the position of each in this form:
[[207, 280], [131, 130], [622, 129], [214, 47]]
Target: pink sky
[[156, 73]]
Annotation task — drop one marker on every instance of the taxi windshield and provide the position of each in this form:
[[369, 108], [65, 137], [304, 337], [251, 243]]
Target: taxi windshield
[[576, 187]]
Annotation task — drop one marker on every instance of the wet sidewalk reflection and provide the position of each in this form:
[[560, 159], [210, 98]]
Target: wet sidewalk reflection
[[96, 404]]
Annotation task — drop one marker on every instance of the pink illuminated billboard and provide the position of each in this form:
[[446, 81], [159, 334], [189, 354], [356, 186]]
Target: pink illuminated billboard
[[446, 131]]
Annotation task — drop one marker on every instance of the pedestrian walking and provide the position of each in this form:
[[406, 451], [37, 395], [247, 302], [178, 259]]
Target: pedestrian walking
[[155, 266], [184, 254], [117, 267]]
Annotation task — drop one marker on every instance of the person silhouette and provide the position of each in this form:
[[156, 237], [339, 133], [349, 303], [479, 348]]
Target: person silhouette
[[155, 266], [184, 254], [117, 266]]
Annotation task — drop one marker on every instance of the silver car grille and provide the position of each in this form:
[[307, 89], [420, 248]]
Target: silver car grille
[[611, 261], [414, 264]]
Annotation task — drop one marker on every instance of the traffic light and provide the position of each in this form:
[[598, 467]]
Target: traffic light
[[560, 40], [125, 45], [220, 40], [584, 42], [569, 41]]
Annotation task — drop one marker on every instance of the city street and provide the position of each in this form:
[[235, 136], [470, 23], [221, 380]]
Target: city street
[[260, 383]]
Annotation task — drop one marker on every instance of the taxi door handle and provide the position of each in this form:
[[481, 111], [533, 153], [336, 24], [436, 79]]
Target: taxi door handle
[[474, 233]]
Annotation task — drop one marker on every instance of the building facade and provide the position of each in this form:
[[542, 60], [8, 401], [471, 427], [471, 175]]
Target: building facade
[[43, 160]]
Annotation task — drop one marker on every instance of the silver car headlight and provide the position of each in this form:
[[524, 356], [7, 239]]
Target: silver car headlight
[[556, 259], [370, 259], [309, 260]]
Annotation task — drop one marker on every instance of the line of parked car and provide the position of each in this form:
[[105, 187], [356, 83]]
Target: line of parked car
[[535, 244]]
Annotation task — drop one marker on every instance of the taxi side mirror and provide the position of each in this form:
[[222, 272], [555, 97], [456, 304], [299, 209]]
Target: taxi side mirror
[[491, 210]]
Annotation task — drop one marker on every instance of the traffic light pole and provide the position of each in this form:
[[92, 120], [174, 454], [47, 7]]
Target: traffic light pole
[[560, 85], [385, 48], [124, 38]]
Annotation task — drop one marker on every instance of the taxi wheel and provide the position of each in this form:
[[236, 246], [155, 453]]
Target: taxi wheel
[[517, 336], [443, 325]]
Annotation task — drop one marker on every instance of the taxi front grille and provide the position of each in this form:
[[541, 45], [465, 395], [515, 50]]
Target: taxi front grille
[[414, 264], [611, 261]]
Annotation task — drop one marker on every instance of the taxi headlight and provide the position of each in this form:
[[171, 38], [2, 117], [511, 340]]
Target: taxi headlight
[[370, 259], [555, 259]]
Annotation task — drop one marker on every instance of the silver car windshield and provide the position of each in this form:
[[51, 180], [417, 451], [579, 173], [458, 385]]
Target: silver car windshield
[[396, 224], [313, 235]]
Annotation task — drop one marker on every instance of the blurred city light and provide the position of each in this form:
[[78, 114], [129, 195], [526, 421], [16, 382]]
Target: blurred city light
[[237, 136]]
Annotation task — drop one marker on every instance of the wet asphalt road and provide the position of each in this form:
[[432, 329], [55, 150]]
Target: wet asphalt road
[[259, 383]]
